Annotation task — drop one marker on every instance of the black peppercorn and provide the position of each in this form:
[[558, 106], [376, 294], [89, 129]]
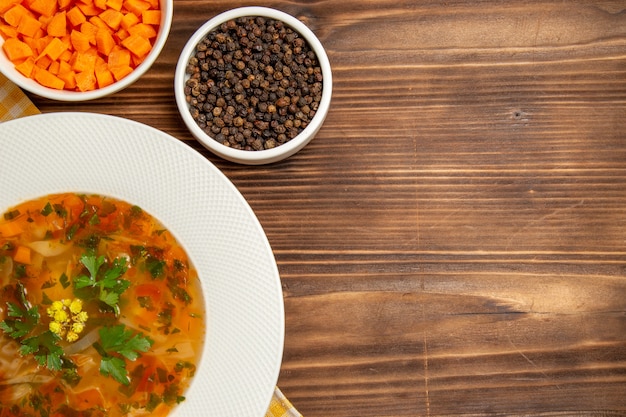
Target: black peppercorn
[[255, 83]]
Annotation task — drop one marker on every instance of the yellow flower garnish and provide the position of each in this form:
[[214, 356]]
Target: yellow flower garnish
[[56, 327], [68, 318], [61, 316], [56, 306], [78, 327], [81, 317], [76, 306]]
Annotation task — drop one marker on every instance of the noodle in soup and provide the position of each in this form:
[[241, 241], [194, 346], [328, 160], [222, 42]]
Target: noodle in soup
[[101, 311]]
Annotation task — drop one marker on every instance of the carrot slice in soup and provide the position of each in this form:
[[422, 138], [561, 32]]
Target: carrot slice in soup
[[22, 255], [10, 229]]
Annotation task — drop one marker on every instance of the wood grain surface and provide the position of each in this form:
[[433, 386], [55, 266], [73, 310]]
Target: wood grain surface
[[453, 242]]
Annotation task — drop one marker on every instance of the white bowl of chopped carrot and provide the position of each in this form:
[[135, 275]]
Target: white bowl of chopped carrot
[[78, 50]]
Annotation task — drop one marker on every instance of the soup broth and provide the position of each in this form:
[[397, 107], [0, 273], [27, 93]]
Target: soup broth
[[101, 311]]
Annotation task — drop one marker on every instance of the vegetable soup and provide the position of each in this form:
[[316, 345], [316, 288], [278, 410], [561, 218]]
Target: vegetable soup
[[101, 311]]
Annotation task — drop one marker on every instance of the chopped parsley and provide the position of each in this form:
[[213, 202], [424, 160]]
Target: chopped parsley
[[10, 215], [117, 343], [46, 210], [103, 282], [22, 317]]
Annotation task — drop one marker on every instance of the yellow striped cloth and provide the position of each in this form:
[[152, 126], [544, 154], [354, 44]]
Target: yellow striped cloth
[[13, 104], [13, 101]]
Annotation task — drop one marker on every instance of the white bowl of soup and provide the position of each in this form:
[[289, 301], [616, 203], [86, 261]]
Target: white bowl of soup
[[121, 293]]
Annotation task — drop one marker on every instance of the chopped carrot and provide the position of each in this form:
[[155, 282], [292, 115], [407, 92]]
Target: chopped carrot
[[104, 42], [85, 80], [26, 66], [121, 34], [76, 16], [151, 17], [54, 67], [44, 7], [137, 45], [22, 255], [119, 58], [15, 14], [88, 9], [67, 55], [44, 20], [28, 26], [89, 29], [43, 61], [7, 4], [40, 43], [64, 4], [84, 61], [136, 6], [78, 44], [57, 26], [104, 76], [16, 49], [32, 43], [79, 40], [114, 4], [8, 31], [135, 60], [64, 66], [112, 18], [143, 30], [129, 20], [54, 49], [67, 74], [97, 21], [10, 229], [120, 71]]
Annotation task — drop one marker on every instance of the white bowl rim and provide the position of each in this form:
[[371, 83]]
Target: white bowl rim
[[265, 155], [28, 84], [176, 164]]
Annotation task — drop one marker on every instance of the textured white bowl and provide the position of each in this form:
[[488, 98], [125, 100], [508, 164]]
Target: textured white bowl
[[30, 85], [265, 156], [240, 363]]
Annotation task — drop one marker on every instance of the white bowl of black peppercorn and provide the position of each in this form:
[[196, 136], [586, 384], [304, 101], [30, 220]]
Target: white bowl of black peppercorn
[[253, 85]]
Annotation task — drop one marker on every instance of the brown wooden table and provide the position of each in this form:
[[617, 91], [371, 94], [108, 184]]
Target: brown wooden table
[[453, 242]]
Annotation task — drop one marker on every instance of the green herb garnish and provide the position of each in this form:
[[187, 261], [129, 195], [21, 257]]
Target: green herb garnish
[[45, 349], [116, 343], [103, 280], [22, 321], [10, 215], [156, 267], [64, 280], [22, 317], [46, 210]]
